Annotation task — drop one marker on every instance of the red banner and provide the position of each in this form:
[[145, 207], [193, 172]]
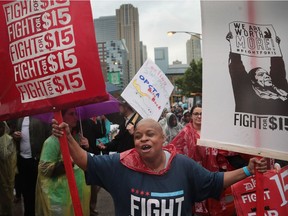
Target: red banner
[[48, 56], [275, 194]]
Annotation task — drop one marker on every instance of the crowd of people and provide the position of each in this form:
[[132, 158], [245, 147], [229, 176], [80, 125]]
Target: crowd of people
[[32, 168], [151, 157]]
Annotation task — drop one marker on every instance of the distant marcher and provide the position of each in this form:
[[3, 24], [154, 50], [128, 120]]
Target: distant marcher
[[186, 117], [7, 170], [92, 130], [105, 126], [162, 121], [179, 112], [124, 139], [172, 109], [172, 127]]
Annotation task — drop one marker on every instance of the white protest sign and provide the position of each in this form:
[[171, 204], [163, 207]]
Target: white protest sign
[[149, 91], [245, 59]]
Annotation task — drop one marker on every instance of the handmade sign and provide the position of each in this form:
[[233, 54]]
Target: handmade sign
[[149, 91]]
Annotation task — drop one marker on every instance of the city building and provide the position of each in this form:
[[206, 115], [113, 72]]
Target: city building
[[193, 48], [105, 28], [112, 51], [113, 60], [161, 58], [102, 57], [143, 53], [116, 60], [174, 72], [128, 29]]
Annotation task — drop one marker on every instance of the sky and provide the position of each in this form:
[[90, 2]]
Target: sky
[[156, 18]]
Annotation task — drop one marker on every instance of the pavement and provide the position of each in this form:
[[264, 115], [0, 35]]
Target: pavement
[[105, 205]]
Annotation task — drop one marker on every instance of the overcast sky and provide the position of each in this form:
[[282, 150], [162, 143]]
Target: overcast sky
[[156, 18]]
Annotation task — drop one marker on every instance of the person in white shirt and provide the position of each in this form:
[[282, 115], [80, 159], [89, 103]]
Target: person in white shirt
[[29, 134]]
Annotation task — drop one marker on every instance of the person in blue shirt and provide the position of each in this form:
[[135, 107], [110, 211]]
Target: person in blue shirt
[[151, 179]]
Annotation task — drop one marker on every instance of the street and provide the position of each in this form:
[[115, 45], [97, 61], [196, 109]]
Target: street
[[105, 205]]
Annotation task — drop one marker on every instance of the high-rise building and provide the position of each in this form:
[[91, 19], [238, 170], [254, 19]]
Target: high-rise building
[[193, 48], [113, 59], [112, 52], [116, 59], [102, 51], [105, 28], [128, 29], [161, 58], [143, 53], [102, 57]]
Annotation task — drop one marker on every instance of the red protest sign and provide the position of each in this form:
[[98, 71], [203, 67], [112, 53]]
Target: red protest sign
[[275, 194], [48, 57]]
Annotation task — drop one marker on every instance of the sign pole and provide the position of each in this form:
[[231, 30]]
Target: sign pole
[[68, 169], [259, 193]]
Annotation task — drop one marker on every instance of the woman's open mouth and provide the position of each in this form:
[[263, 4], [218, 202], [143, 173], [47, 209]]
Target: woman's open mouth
[[145, 148]]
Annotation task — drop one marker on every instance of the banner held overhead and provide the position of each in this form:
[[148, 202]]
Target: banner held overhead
[[46, 60]]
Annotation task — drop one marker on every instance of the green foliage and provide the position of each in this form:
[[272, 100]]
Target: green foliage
[[191, 80]]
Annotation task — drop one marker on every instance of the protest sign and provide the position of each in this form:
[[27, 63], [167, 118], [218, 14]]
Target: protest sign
[[47, 61], [253, 40], [149, 91], [275, 194], [245, 103]]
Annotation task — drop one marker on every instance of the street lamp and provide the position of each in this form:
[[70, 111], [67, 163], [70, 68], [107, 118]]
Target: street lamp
[[170, 33]]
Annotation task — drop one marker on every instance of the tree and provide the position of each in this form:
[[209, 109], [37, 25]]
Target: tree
[[191, 82]]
